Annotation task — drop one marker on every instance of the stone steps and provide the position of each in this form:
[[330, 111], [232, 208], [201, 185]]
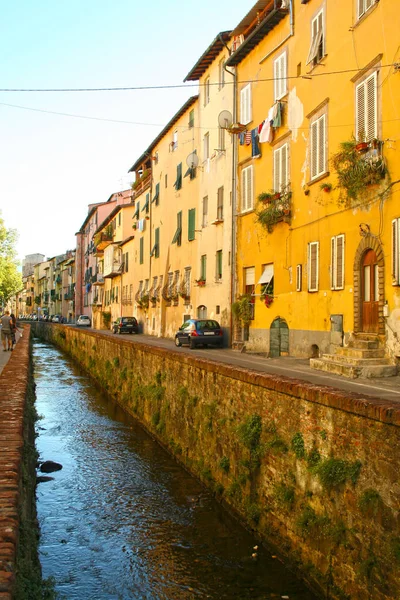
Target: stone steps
[[363, 357], [353, 370]]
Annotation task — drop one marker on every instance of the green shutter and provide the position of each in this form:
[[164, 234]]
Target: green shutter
[[178, 182], [156, 196], [146, 204], [191, 224], [141, 250]]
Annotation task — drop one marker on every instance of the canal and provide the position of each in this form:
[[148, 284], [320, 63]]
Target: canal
[[122, 520]]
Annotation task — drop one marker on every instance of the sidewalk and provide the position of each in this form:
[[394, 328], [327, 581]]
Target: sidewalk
[[5, 356]]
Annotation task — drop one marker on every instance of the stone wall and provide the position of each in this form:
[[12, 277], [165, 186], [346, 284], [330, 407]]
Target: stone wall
[[311, 470], [20, 573]]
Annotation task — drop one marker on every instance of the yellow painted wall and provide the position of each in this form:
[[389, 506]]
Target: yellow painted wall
[[351, 45]]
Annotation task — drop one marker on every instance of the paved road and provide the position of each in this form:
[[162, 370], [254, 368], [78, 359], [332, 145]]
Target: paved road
[[387, 388]]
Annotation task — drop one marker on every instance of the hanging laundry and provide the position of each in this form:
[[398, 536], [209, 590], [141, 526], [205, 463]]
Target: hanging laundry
[[248, 138], [267, 134], [241, 138], [260, 127], [277, 121], [255, 148]]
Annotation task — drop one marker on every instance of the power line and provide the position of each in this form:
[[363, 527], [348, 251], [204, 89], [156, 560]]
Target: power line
[[186, 85]]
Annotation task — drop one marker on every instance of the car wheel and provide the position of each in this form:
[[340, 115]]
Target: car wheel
[[192, 344], [177, 342], [130, 332]]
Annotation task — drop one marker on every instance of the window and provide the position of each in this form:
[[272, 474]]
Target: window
[[337, 262], [177, 239], [220, 204], [191, 119], [221, 74], [318, 147], [125, 263], [218, 265], [206, 91], [166, 180], [203, 267], [206, 146], [205, 212], [363, 6], [245, 105], [317, 48], [395, 252], [119, 219], [146, 204], [281, 172], [186, 281], [155, 251], [313, 266], [221, 139], [191, 224], [280, 76], [366, 109], [156, 197], [247, 188], [299, 278], [174, 144], [141, 250], [249, 286], [178, 181]]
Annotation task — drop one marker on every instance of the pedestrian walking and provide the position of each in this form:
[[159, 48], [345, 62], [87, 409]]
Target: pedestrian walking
[[14, 329], [5, 322]]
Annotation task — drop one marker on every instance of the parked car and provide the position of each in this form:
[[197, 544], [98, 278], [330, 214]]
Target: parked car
[[200, 332], [83, 321], [125, 325]]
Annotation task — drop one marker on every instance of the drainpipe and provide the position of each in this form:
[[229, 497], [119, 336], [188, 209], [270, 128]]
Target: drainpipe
[[234, 195]]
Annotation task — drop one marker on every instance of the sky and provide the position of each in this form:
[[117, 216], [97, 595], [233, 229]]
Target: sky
[[53, 166]]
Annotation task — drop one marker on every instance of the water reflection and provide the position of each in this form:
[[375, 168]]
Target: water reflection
[[122, 520]]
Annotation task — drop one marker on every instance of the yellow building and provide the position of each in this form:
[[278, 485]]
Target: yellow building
[[318, 217], [165, 223]]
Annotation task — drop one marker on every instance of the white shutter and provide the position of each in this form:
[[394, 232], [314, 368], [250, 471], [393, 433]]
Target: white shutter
[[333, 263], [276, 170], [298, 278], [395, 251], [339, 282], [371, 129], [250, 276], [321, 145], [313, 266], [247, 188], [366, 109], [281, 178], [245, 105], [280, 76], [314, 150], [318, 147], [361, 4]]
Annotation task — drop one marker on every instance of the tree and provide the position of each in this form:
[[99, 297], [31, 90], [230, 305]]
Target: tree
[[10, 278]]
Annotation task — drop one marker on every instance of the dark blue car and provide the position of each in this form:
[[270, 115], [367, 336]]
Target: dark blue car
[[200, 332]]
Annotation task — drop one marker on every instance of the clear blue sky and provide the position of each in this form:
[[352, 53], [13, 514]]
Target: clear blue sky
[[52, 166]]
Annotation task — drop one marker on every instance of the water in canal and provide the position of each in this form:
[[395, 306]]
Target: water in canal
[[122, 519]]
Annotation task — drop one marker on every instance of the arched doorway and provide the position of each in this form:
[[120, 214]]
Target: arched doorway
[[278, 338], [369, 288], [370, 292]]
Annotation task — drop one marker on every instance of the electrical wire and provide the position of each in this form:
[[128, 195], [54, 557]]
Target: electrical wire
[[186, 85]]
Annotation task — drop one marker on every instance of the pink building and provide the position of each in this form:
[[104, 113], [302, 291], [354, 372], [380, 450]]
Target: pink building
[[85, 260]]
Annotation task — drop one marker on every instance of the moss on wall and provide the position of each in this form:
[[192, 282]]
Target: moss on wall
[[312, 472]]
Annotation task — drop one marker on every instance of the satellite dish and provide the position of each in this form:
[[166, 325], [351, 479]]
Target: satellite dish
[[225, 119], [192, 160]]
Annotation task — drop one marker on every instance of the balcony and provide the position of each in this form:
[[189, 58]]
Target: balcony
[[113, 270], [140, 185], [98, 279], [103, 239]]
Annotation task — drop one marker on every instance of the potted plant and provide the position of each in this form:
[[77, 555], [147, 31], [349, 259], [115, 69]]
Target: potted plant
[[265, 197], [326, 187], [242, 310], [201, 282]]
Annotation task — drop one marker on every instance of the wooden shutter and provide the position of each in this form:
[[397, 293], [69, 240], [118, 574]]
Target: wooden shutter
[[245, 105], [247, 188], [366, 109], [313, 266], [280, 77], [318, 147], [157, 242], [339, 283], [191, 224], [281, 168], [141, 250], [395, 251], [299, 278]]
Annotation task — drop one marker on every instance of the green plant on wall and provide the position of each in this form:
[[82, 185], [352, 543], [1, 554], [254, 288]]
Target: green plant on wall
[[356, 170], [242, 310], [106, 318], [274, 207]]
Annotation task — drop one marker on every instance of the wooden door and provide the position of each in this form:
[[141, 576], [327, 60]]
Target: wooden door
[[370, 292]]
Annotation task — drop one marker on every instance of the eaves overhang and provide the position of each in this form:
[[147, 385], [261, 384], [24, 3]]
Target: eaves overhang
[[147, 153], [208, 56], [257, 35]]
